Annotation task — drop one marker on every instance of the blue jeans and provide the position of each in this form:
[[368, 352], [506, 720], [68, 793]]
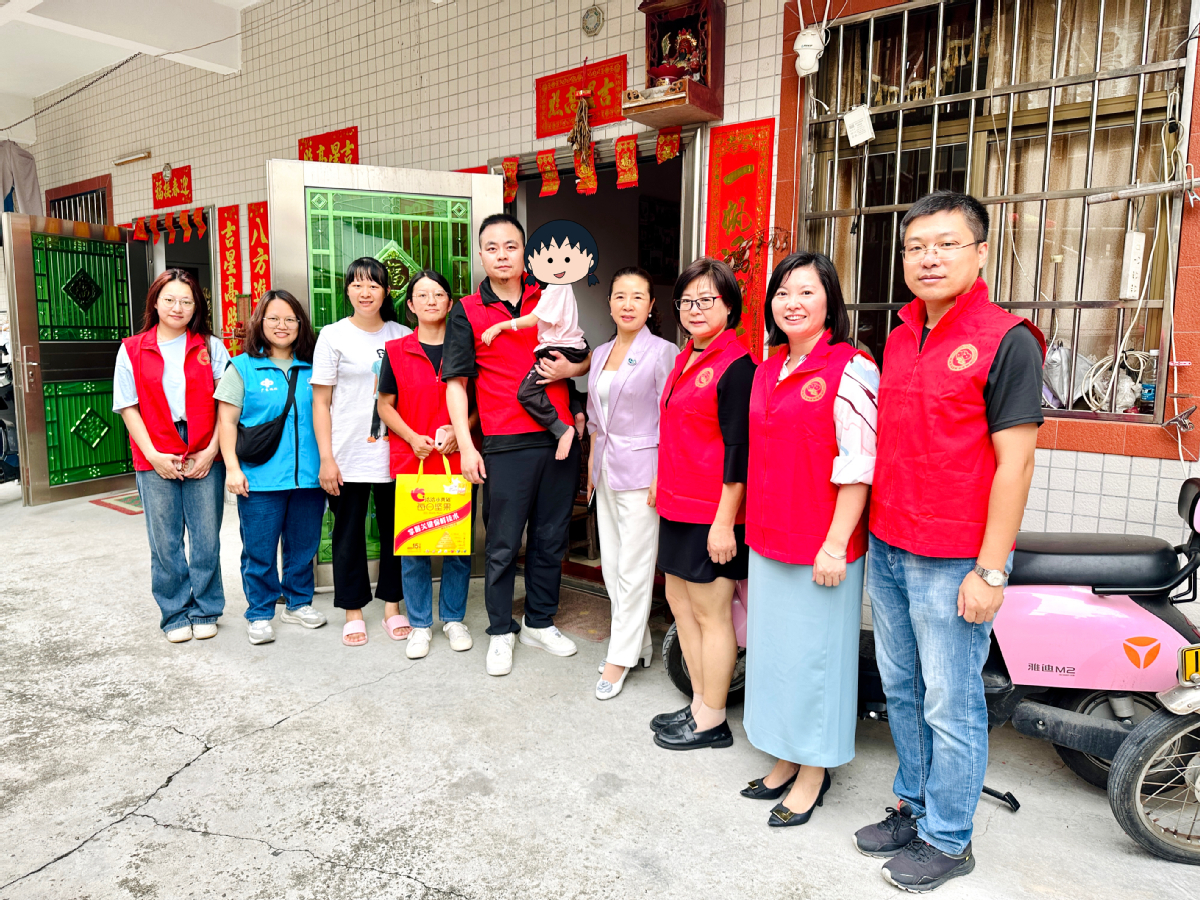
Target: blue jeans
[[931, 662], [187, 587], [418, 589], [266, 517]]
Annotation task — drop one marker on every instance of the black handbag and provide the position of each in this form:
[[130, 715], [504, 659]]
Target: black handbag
[[256, 444]]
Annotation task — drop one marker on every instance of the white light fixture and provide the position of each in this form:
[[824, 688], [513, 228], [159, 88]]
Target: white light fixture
[[131, 157], [166, 172]]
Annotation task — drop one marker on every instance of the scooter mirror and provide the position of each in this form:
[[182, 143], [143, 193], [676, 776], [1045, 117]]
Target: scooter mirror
[[1189, 503]]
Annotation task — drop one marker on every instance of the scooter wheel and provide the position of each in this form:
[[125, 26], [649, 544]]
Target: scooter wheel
[[1093, 769], [1154, 786], [676, 667]]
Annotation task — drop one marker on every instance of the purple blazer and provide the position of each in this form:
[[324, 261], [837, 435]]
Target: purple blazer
[[627, 441]]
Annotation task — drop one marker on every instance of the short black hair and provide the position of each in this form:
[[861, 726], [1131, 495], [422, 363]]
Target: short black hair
[[837, 320], [433, 275], [370, 268], [501, 219], [564, 233], [723, 280], [972, 210]]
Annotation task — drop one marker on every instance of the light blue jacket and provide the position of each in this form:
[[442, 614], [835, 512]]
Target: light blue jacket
[[297, 461]]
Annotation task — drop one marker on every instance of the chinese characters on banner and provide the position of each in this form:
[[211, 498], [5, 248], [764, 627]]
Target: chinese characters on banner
[[737, 210], [231, 274], [627, 168], [510, 178], [260, 251], [555, 100], [667, 145], [339, 146], [549, 169], [585, 171], [176, 192]]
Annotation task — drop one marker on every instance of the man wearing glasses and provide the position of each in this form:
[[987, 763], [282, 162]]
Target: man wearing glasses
[[959, 409]]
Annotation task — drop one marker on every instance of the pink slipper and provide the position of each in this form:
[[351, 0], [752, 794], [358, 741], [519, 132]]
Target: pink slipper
[[390, 626], [358, 626]]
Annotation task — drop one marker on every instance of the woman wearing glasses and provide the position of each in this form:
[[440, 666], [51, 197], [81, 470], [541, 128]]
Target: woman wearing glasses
[[279, 498], [702, 460], [412, 404], [163, 388]]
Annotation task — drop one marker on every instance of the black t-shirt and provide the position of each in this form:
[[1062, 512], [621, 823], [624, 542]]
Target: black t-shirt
[[387, 378], [1013, 393], [733, 416]]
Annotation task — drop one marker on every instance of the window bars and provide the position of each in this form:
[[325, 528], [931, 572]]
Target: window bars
[[1032, 106]]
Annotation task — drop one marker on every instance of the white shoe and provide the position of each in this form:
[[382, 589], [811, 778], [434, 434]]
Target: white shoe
[[260, 632], [644, 658], [549, 639], [460, 637], [204, 632], [418, 643], [303, 615], [499, 656], [606, 690], [179, 635]]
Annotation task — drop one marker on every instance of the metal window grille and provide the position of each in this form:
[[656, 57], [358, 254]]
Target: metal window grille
[[1031, 106], [90, 206]]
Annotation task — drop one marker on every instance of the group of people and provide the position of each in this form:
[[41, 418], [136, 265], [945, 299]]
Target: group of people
[[806, 476]]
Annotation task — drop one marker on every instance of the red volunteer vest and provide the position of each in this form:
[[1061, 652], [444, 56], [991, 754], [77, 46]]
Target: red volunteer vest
[[935, 461], [691, 450], [147, 363], [501, 367], [421, 403], [793, 443]]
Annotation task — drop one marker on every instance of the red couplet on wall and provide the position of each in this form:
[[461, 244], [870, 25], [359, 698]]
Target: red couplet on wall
[[260, 251], [738, 209], [339, 146], [555, 100], [177, 191], [228, 233]]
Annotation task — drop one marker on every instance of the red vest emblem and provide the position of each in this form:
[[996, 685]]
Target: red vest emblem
[[962, 358], [704, 377], [813, 390], [203, 357]]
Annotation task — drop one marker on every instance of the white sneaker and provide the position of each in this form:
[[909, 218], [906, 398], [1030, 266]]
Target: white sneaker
[[460, 638], [260, 632], [179, 635], [418, 643], [499, 657], [204, 632], [549, 639], [303, 615]]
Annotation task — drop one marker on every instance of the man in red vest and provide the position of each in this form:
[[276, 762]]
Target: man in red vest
[[959, 409], [523, 483]]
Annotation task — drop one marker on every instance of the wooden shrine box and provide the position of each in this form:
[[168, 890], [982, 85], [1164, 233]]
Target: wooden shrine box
[[696, 92]]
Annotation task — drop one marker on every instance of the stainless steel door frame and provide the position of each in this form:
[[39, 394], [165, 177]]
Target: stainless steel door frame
[[287, 180], [27, 354]]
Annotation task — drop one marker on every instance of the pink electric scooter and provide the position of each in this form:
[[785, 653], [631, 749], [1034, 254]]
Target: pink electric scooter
[[1090, 653]]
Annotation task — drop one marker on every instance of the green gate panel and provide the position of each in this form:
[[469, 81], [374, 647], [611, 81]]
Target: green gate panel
[[84, 438], [325, 548], [406, 232], [82, 289]]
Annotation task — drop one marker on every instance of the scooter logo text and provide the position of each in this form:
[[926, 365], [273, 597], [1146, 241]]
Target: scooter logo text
[[1142, 650]]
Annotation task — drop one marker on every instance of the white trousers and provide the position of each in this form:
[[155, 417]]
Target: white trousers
[[628, 551]]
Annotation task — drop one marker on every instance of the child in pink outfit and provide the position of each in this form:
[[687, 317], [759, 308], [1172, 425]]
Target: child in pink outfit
[[557, 255]]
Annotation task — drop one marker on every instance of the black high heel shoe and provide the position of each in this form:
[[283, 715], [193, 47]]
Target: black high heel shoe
[[782, 817], [757, 790]]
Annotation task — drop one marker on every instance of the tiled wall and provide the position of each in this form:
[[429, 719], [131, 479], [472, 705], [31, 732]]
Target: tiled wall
[[429, 86], [1092, 492]]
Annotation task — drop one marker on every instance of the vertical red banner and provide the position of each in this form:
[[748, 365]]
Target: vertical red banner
[[627, 166], [667, 145], [260, 251], [549, 169], [585, 171], [229, 234], [510, 178], [738, 209]]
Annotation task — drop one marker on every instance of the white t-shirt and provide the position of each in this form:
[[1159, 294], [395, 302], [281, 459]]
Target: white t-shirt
[[604, 390], [174, 383], [349, 359], [558, 318]]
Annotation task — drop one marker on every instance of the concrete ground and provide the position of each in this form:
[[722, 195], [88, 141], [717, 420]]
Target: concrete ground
[[133, 768]]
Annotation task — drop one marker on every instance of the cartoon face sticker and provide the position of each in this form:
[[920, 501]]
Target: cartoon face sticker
[[560, 264]]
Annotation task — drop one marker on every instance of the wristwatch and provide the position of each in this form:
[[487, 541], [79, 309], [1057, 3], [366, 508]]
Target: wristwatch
[[994, 577]]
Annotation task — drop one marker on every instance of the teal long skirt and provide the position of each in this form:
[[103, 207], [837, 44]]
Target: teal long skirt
[[802, 662]]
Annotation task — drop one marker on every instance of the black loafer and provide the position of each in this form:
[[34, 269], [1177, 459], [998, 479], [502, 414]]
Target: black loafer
[[666, 720], [782, 817], [756, 790], [684, 736]]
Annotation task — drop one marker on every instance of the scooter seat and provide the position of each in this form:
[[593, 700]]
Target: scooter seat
[[1128, 560]]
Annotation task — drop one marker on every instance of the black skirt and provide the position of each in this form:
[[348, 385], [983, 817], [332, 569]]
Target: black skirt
[[683, 552]]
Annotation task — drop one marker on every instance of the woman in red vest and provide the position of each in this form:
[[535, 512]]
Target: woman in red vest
[[700, 489], [812, 458], [412, 403], [163, 388]]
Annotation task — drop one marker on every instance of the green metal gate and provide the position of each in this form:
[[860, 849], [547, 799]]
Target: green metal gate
[[406, 232]]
